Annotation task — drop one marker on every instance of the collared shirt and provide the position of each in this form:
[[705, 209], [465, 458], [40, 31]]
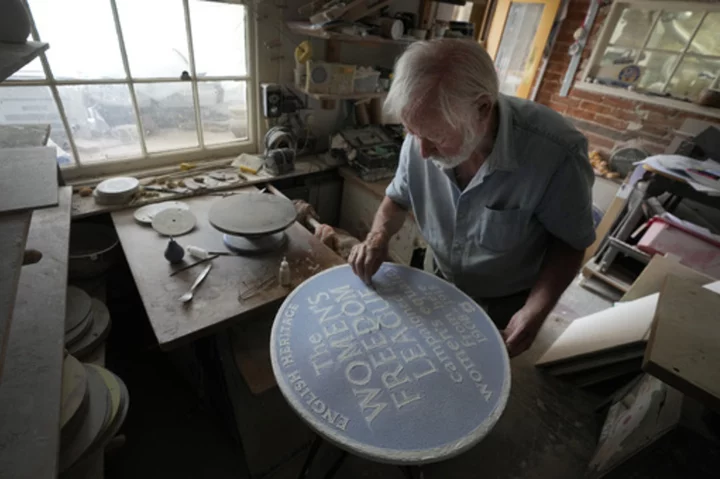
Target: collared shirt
[[490, 238]]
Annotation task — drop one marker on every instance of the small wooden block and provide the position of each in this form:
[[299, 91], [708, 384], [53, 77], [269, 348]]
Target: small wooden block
[[652, 277], [683, 346]]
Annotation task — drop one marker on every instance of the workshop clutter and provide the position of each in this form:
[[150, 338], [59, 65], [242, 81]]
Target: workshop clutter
[[87, 323]]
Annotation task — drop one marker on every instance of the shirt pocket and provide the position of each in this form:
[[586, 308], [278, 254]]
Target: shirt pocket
[[502, 230]]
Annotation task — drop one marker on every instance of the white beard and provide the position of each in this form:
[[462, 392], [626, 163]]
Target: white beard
[[449, 162]]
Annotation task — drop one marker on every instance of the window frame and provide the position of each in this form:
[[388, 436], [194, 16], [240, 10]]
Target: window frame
[[78, 169], [585, 82]]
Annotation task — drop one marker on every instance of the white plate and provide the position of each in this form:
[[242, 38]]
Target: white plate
[[120, 186], [112, 200], [173, 222], [146, 213]]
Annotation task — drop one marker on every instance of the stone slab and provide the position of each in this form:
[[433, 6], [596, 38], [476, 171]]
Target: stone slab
[[410, 371]]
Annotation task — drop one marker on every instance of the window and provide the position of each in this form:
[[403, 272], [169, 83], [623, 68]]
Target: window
[[675, 45], [136, 83]]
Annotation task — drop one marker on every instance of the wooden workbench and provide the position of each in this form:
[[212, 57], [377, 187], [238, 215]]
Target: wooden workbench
[[216, 303]]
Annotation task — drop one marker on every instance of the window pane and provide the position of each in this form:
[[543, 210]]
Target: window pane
[[693, 75], [707, 40], [657, 68], [35, 105], [31, 71], [615, 55], [673, 30], [168, 115], [218, 31], [102, 121], [223, 108], [633, 27], [82, 38], [151, 55]]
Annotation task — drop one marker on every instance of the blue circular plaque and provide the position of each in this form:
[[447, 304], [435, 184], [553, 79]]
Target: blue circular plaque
[[408, 371]]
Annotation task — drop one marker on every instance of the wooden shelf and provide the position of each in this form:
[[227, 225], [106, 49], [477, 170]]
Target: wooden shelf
[[15, 56], [304, 28], [347, 96]]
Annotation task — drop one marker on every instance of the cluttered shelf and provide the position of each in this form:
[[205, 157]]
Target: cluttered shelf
[[305, 28], [345, 96], [15, 56]]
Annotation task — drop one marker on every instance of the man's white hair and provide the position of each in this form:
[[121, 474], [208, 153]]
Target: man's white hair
[[453, 73]]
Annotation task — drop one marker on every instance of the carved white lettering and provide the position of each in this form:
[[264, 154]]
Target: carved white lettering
[[401, 398], [383, 356], [362, 373], [318, 406], [352, 308], [348, 346], [343, 293], [429, 368], [412, 352], [367, 395], [342, 422], [390, 320], [402, 337], [365, 325], [373, 342], [334, 328], [392, 379], [317, 299]]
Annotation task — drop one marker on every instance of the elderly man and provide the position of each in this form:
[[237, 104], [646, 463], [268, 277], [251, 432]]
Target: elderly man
[[500, 187]]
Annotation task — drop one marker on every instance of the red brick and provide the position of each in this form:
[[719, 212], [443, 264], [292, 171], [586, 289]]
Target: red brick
[[619, 102], [657, 130], [629, 115], [595, 107], [566, 100], [586, 95], [556, 67], [553, 76], [598, 141], [581, 114], [611, 122], [666, 111], [558, 107]]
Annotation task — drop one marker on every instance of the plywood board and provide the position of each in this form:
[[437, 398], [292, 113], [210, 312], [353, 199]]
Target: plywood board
[[29, 436], [13, 234], [18, 136], [15, 56], [623, 325], [28, 178], [683, 345], [653, 276], [217, 301]]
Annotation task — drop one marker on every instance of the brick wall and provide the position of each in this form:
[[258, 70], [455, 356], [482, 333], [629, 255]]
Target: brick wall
[[605, 120]]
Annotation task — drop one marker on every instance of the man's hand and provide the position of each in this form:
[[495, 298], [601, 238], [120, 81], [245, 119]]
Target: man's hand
[[522, 329], [366, 257]]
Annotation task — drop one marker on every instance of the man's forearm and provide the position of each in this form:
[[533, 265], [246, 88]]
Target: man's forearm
[[388, 220], [560, 266]]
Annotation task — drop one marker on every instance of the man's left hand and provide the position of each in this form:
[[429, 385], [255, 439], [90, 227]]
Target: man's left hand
[[522, 329]]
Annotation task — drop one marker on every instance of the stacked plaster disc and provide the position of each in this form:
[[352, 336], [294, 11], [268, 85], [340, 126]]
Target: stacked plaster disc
[[87, 323], [95, 403]]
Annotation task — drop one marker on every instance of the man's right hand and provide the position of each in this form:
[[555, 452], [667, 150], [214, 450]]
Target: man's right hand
[[366, 257]]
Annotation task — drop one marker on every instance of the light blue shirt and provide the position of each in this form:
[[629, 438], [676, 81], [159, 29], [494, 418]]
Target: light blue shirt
[[490, 238]]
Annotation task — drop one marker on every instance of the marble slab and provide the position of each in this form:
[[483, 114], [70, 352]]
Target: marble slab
[[410, 371]]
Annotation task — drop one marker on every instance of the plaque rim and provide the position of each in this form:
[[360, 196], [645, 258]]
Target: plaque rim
[[380, 454]]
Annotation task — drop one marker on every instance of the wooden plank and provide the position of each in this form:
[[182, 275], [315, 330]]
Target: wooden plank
[[86, 206], [15, 56], [653, 276], [216, 301], [31, 388], [28, 178], [305, 28], [13, 234], [608, 220], [683, 346], [18, 136]]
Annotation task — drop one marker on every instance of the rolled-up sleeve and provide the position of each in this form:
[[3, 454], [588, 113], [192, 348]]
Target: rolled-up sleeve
[[566, 207], [398, 190]]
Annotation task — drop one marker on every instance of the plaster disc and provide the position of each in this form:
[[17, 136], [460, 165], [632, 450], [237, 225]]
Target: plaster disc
[[98, 411], [120, 186], [97, 334], [255, 245], [79, 331], [145, 214], [408, 371], [77, 307], [114, 387], [74, 388], [173, 222], [252, 214]]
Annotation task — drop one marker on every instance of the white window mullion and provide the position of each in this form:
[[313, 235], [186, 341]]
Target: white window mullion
[[647, 37], [128, 77], [193, 75], [682, 54], [50, 82]]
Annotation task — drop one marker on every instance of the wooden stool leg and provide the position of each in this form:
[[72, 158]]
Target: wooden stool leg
[[305, 471]]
